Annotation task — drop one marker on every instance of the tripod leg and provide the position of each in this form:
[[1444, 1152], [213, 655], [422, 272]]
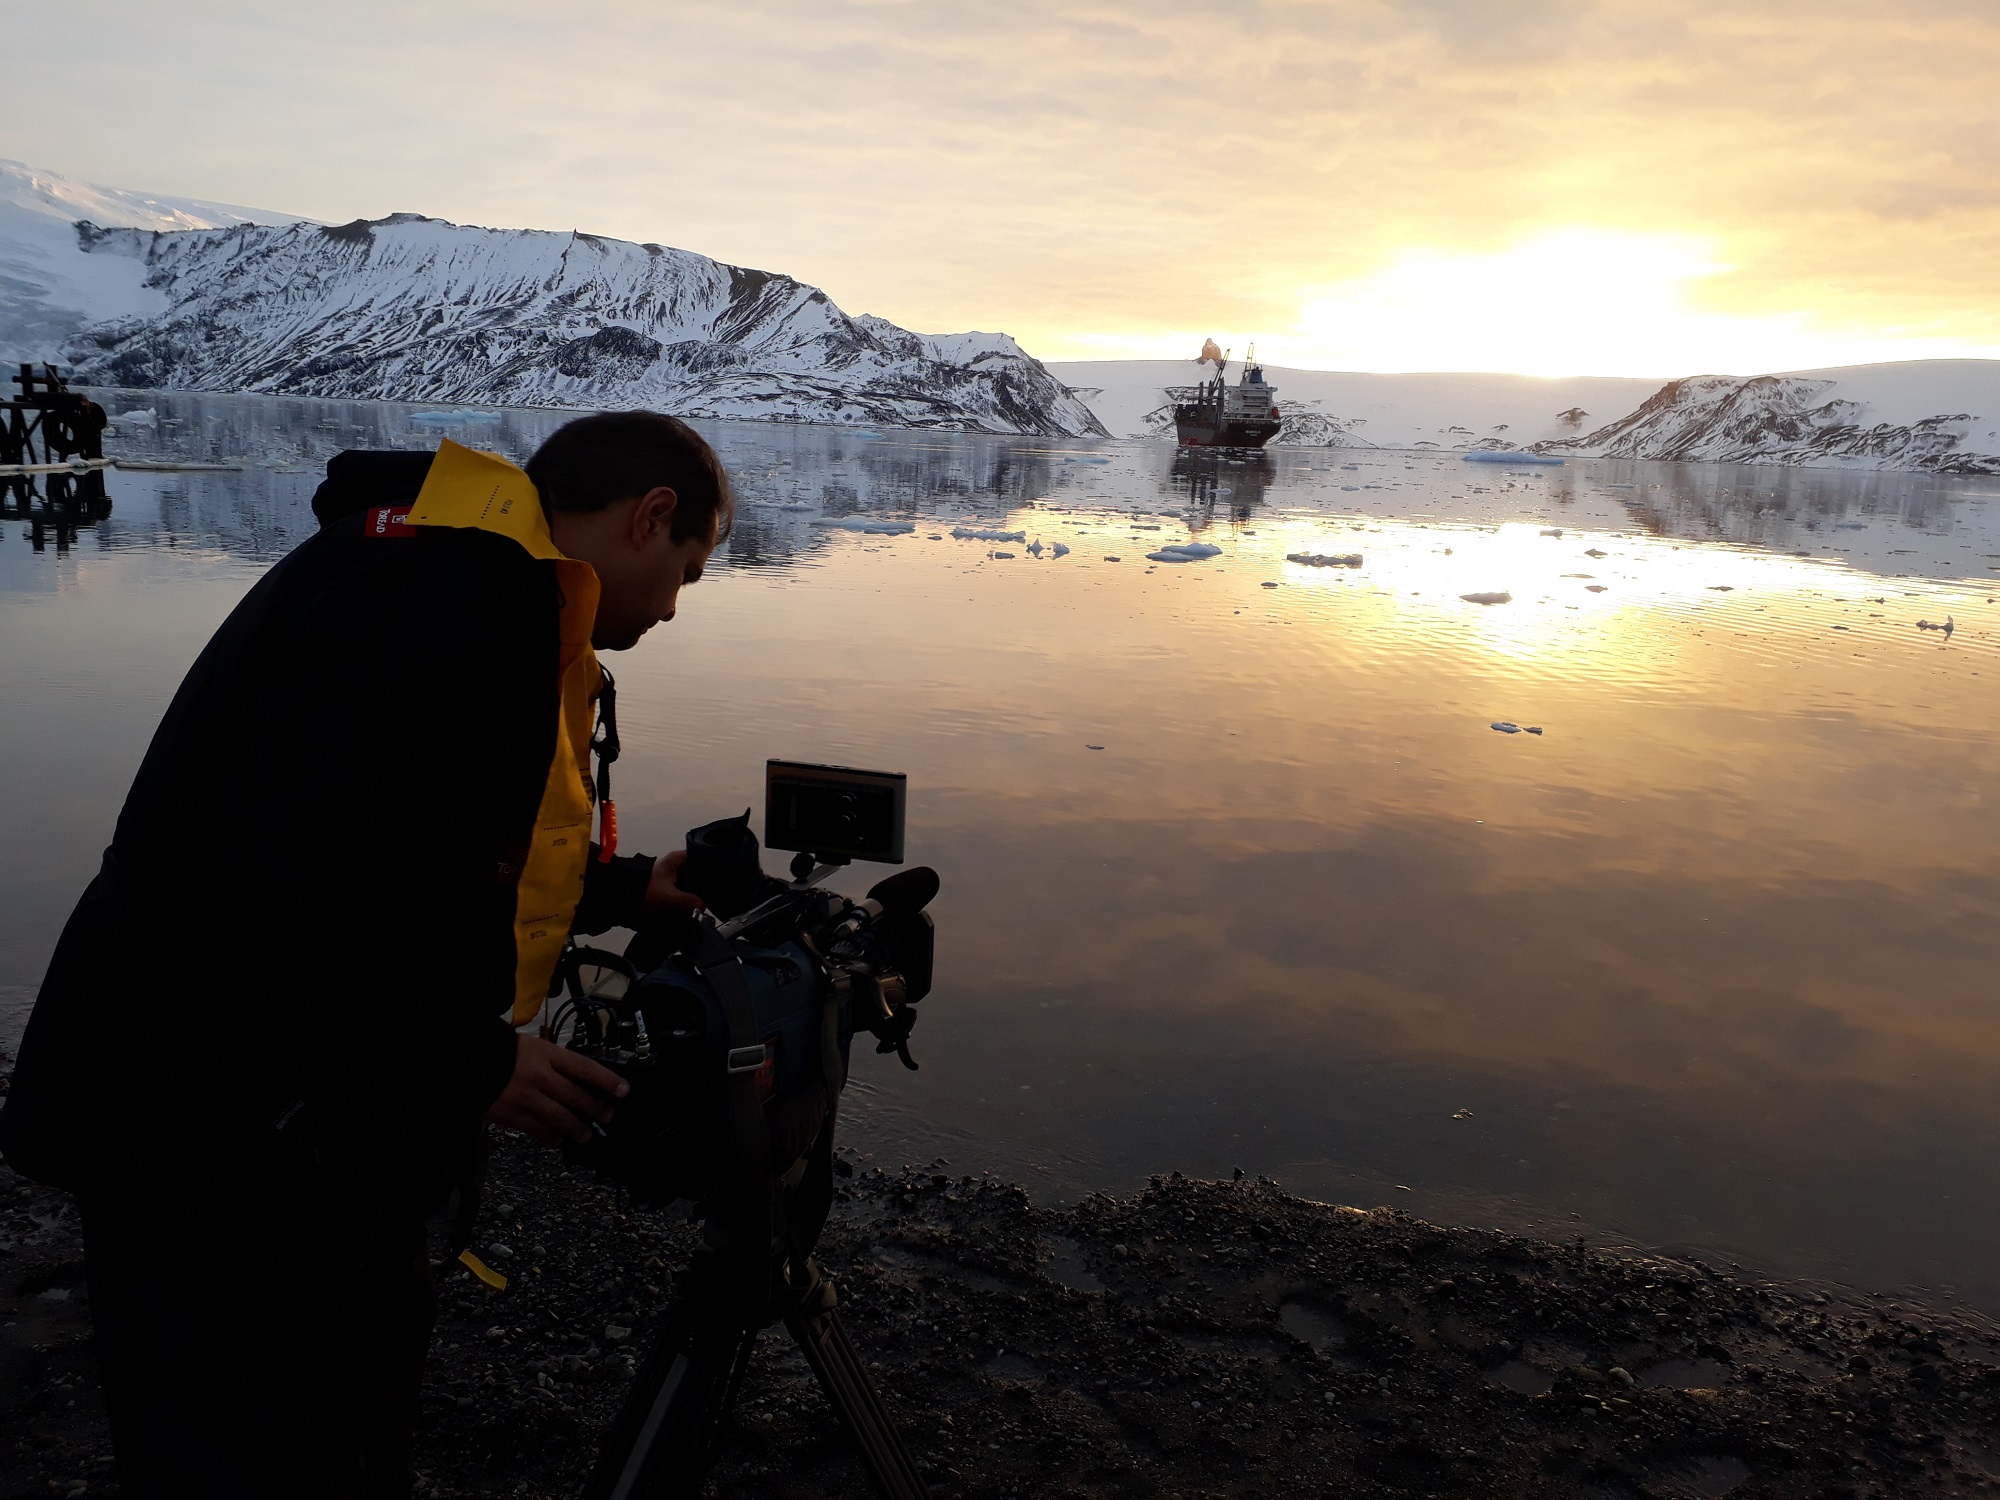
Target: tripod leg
[[834, 1359], [664, 1437]]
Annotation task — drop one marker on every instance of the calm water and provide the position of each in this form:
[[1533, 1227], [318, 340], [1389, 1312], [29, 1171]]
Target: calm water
[[1712, 962]]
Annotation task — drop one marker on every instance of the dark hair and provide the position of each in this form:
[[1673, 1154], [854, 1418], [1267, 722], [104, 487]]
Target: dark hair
[[599, 460]]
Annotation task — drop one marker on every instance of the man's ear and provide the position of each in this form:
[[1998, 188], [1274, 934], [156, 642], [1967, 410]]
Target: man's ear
[[653, 514]]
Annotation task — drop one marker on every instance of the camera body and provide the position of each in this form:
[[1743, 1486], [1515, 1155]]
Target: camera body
[[805, 968]]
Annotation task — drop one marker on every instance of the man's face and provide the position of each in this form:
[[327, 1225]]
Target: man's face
[[641, 569]]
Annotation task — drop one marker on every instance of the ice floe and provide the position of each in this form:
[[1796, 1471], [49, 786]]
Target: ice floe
[[856, 523], [459, 418]]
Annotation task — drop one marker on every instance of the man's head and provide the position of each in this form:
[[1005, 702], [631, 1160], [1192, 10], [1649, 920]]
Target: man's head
[[642, 499]]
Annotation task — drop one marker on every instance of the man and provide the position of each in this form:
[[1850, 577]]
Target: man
[[340, 882]]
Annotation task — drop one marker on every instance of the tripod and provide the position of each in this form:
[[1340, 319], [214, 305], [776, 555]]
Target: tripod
[[772, 1190], [670, 1428]]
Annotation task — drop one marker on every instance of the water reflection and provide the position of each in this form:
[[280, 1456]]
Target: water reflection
[[1708, 962], [55, 506], [1233, 484]]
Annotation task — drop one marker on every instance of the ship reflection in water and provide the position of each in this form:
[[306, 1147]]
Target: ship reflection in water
[[1229, 485], [1708, 963]]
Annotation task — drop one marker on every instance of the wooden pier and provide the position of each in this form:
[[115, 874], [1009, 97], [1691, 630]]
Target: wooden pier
[[51, 458]]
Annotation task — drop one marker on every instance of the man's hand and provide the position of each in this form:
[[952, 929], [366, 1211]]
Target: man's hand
[[662, 891], [549, 1097]]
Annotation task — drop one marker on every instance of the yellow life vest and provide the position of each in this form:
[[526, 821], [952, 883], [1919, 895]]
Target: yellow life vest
[[485, 492]]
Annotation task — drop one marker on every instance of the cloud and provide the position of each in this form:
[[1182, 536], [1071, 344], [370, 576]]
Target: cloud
[[1093, 169]]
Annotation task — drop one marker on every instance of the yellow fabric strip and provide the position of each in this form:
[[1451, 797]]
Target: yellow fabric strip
[[482, 491], [483, 1271]]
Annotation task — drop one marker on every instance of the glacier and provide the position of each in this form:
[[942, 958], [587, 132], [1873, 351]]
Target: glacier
[[411, 308]]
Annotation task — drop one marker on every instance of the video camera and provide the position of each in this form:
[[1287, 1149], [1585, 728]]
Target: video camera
[[733, 1028], [814, 966]]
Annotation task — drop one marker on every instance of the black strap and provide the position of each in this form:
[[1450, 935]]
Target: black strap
[[605, 744], [749, 1215]]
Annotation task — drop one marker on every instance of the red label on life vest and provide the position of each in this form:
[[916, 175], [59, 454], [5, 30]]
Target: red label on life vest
[[389, 520]]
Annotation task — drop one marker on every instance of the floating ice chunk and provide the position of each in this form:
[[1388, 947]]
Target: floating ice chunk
[[1182, 552], [1003, 554], [1485, 457], [1553, 531], [450, 418], [857, 523], [1035, 547], [1076, 458], [1113, 559], [1324, 560], [1492, 597], [144, 418], [1059, 550], [987, 534], [792, 505], [1531, 729], [1947, 627], [1505, 728]]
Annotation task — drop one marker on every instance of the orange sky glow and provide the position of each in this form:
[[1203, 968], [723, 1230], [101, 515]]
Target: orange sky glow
[[1633, 187]]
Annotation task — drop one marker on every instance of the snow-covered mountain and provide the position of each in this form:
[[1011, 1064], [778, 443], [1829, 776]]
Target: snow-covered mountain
[[49, 289], [416, 309], [1937, 414]]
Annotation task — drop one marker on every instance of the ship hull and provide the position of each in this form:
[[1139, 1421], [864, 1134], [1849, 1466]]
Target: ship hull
[[1209, 429]]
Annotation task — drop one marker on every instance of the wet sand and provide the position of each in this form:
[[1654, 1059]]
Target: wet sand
[[1195, 1339]]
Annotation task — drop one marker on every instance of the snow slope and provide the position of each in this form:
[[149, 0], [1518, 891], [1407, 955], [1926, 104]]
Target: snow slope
[[126, 290], [1937, 414], [49, 287], [1342, 409]]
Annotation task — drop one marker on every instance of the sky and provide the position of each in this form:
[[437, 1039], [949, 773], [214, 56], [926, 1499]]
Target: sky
[[1618, 187]]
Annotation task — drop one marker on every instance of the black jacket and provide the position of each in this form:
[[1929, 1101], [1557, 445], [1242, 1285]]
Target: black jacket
[[301, 939]]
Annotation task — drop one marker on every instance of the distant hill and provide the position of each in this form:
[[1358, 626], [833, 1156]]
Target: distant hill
[[127, 290], [1938, 415]]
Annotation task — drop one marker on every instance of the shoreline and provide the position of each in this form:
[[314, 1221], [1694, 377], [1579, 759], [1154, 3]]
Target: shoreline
[[1194, 1338]]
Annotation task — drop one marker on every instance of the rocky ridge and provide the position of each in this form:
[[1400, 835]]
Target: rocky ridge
[[1787, 419]]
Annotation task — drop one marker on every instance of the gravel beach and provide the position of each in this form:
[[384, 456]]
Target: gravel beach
[[1194, 1339]]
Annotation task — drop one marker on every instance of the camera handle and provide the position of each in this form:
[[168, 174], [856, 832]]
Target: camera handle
[[809, 869]]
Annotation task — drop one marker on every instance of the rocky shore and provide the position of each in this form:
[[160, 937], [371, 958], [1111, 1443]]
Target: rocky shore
[[1195, 1339]]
